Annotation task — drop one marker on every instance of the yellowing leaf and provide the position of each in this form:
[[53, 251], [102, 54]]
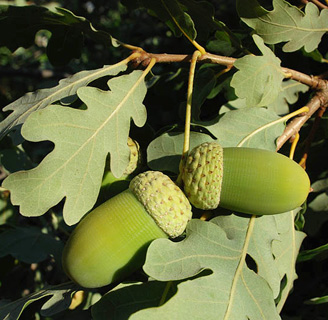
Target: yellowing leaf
[[83, 139], [259, 77], [286, 23]]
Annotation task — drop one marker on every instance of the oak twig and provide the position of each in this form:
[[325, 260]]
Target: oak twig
[[311, 136], [319, 4], [318, 100], [144, 58], [319, 85]]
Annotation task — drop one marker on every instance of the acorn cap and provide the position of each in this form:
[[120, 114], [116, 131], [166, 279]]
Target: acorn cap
[[135, 156], [202, 175], [163, 200]]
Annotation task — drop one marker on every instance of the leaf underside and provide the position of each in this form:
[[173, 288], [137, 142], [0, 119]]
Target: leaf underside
[[232, 290], [40, 99], [286, 23], [60, 299], [214, 269], [259, 78], [234, 126], [74, 169]]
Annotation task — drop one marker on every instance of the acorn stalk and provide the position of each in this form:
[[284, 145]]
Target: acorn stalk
[[245, 180], [111, 241]]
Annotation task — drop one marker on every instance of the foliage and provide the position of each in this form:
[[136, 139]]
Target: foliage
[[286, 23], [61, 132]]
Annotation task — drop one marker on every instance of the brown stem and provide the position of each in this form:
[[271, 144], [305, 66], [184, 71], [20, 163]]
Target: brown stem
[[145, 57], [320, 99], [311, 136], [315, 83], [317, 101], [319, 4]]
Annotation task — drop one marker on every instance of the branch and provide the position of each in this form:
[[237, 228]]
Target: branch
[[316, 2], [317, 101], [144, 58], [314, 83], [320, 99]]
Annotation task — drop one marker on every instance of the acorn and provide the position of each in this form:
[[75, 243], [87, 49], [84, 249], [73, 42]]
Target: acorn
[[246, 180], [111, 241]]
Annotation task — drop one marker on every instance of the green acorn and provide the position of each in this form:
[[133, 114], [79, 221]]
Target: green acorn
[[111, 241], [246, 180]]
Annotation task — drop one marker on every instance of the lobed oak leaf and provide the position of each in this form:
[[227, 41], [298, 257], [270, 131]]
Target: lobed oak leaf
[[286, 23], [83, 139], [259, 78]]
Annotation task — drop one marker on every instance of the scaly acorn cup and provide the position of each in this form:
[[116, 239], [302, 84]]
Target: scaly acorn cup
[[111, 241], [246, 180]]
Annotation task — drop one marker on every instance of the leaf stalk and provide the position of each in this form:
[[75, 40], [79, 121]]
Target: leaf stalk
[[282, 119], [186, 142]]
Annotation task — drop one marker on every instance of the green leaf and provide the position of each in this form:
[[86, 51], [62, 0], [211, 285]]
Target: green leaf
[[288, 95], [315, 55], [204, 83], [317, 207], [29, 244], [317, 300], [127, 299], [202, 14], [285, 251], [164, 153], [234, 126], [320, 185], [60, 299], [319, 203], [233, 105], [19, 25], [286, 23], [221, 44], [223, 87], [259, 77], [225, 42], [83, 139], [188, 17], [33, 101], [310, 254], [232, 290], [171, 13]]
